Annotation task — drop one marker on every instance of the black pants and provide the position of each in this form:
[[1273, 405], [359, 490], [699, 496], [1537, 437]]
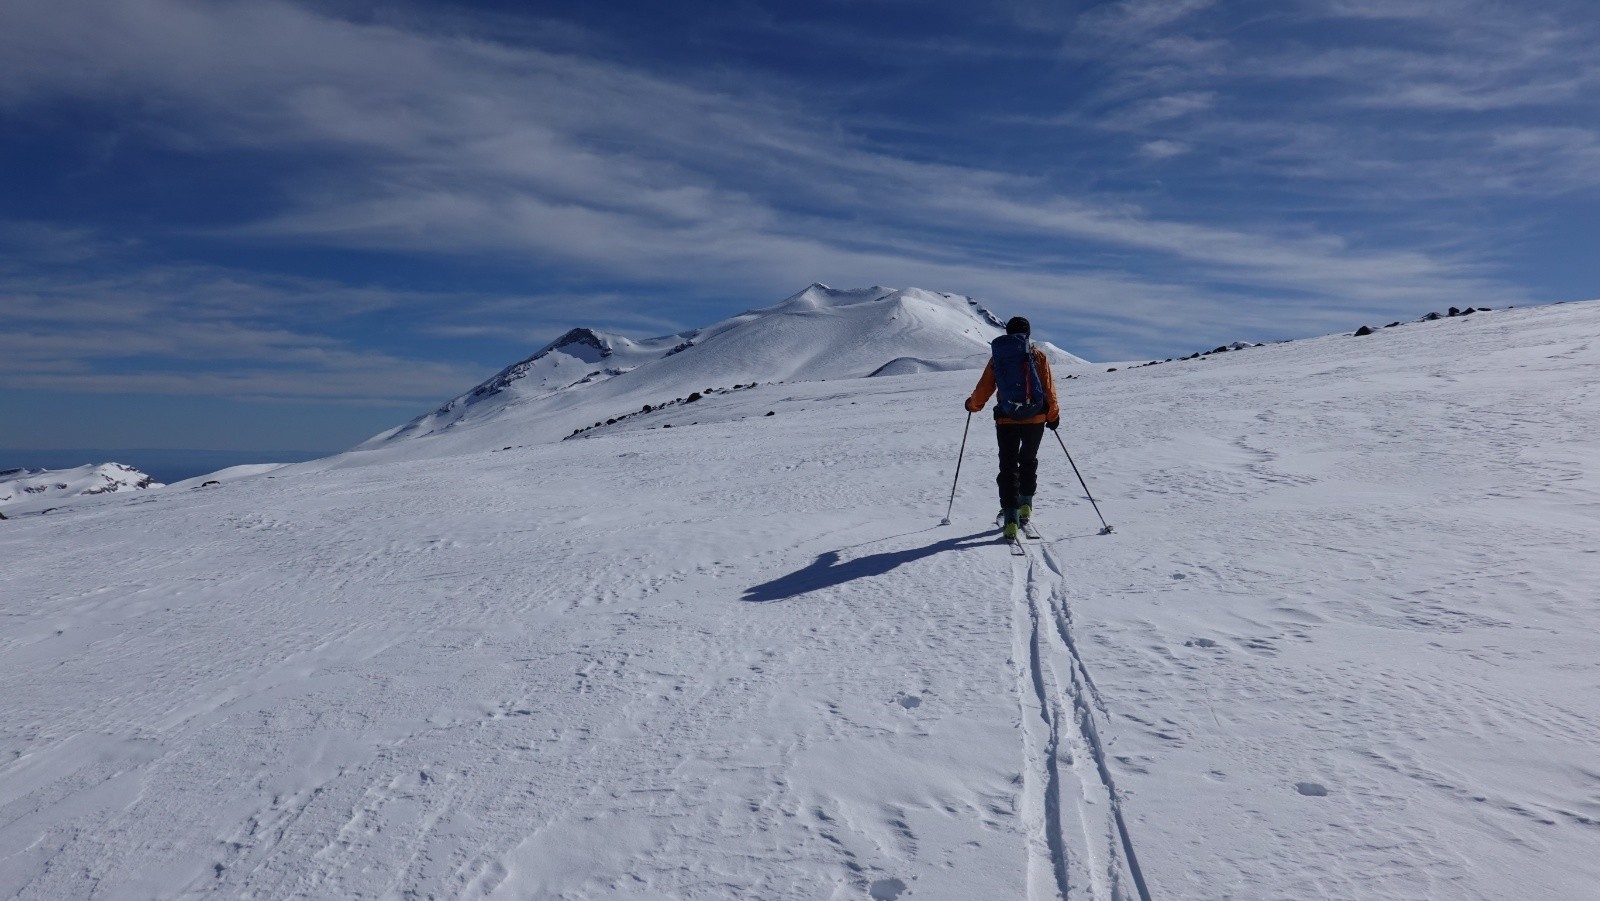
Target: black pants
[[1019, 461]]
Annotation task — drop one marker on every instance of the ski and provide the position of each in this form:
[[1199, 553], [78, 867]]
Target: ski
[[1015, 543], [1029, 530]]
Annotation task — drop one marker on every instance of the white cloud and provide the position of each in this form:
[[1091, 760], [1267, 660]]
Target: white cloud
[[1163, 150], [1131, 19]]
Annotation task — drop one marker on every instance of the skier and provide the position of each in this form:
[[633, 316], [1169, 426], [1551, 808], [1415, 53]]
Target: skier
[[1025, 408]]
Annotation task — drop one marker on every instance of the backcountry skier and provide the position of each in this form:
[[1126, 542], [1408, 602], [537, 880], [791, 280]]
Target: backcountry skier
[[1026, 406]]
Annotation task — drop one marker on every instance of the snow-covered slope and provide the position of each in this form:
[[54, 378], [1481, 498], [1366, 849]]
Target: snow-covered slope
[[587, 376], [1340, 645], [31, 490]]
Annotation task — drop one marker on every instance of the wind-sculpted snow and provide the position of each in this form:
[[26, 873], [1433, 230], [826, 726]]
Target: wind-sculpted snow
[[1340, 645], [914, 366]]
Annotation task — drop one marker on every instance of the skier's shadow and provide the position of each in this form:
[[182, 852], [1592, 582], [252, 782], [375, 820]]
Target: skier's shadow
[[826, 571]]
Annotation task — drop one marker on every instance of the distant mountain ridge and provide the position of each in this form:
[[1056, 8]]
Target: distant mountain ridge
[[819, 333], [33, 490]]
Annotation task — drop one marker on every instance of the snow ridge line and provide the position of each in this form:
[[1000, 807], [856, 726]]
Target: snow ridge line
[[1085, 698]]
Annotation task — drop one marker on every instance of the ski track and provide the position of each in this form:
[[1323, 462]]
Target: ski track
[[1079, 842]]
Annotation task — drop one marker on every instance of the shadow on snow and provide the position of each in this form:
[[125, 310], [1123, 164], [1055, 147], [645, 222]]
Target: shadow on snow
[[826, 571]]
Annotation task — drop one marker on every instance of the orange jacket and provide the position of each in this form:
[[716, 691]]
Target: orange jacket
[[985, 390]]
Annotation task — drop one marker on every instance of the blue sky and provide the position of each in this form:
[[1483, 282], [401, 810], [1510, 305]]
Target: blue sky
[[262, 224]]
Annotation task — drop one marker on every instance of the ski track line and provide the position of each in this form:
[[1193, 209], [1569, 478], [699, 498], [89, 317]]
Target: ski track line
[[1077, 835], [1047, 876]]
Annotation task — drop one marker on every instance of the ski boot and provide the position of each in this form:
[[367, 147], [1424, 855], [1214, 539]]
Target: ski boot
[[1009, 517]]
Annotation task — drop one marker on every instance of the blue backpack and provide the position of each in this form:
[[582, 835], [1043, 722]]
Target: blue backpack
[[1019, 392]]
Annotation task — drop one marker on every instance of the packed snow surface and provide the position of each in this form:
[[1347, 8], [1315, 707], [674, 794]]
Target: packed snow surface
[[1341, 644], [33, 490]]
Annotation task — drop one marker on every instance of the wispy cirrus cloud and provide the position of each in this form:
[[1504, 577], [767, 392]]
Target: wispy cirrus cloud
[[196, 330], [1391, 98], [1162, 149], [458, 144], [1133, 19]]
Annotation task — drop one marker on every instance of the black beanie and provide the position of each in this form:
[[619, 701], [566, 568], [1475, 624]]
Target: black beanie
[[1018, 326]]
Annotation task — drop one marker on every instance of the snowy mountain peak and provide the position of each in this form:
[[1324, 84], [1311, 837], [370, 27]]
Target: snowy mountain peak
[[582, 343], [819, 333], [817, 295], [580, 356]]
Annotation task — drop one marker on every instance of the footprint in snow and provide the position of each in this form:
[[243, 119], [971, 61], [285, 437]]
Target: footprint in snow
[[1263, 645], [1311, 789], [1199, 643], [1133, 765], [886, 889], [909, 702]]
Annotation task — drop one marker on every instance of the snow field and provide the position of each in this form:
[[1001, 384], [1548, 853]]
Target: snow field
[[519, 674], [1340, 645], [1363, 567]]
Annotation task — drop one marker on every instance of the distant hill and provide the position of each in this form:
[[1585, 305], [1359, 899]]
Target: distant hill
[[32, 490], [821, 333]]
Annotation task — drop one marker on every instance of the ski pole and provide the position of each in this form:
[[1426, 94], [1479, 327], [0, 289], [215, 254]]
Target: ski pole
[[957, 479], [1107, 529]]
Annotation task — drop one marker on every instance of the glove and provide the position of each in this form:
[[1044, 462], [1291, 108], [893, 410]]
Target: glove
[[1053, 424], [971, 407]]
